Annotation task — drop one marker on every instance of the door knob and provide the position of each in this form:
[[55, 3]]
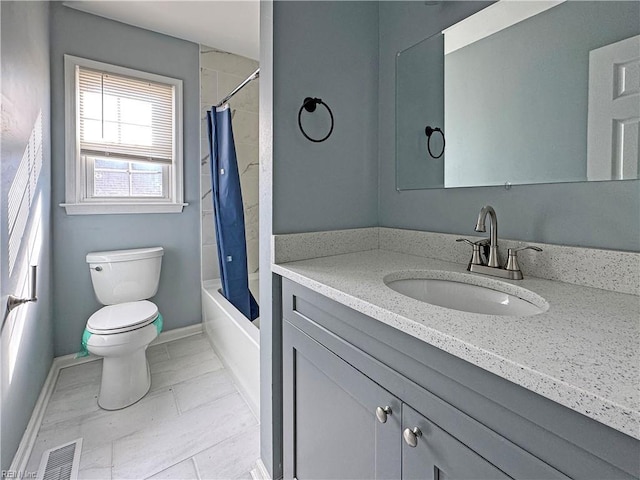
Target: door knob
[[382, 413], [411, 436]]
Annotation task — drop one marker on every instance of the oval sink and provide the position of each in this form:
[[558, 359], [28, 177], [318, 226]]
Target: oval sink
[[457, 294]]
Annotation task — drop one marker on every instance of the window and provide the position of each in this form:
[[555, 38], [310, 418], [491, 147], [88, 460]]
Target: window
[[123, 140]]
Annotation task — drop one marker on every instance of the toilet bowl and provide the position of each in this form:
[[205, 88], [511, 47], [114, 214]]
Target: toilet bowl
[[121, 331], [122, 342]]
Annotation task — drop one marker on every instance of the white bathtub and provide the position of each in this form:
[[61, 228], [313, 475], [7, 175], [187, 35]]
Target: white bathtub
[[235, 339]]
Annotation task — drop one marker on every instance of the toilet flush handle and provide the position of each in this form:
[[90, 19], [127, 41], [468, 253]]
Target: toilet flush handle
[[97, 269]]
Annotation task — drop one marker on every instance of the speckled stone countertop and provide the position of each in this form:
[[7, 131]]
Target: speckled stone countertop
[[583, 352]]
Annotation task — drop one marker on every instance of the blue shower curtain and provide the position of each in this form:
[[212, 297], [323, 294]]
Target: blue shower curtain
[[228, 213]]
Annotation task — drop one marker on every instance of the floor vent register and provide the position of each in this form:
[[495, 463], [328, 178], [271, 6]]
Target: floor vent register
[[61, 462]]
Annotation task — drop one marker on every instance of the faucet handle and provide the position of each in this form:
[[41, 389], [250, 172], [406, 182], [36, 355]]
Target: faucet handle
[[483, 241], [464, 240], [512, 260], [476, 258], [528, 247]]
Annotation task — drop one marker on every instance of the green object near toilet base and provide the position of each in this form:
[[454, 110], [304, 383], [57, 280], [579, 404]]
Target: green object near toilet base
[[84, 352]]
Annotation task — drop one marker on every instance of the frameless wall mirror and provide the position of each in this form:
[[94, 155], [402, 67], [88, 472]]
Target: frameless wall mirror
[[522, 92]]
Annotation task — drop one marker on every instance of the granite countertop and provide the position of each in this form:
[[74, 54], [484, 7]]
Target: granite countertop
[[583, 352]]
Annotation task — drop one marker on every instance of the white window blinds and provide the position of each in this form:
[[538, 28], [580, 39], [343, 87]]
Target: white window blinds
[[124, 117]]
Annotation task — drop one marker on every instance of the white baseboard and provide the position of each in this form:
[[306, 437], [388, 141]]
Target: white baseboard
[[20, 459], [260, 472], [177, 333]]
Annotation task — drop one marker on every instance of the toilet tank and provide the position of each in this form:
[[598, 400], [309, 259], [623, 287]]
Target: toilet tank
[[120, 276]]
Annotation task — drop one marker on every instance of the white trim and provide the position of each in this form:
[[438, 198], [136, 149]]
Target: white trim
[[96, 208], [20, 459], [177, 334], [492, 19], [260, 472], [74, 179]]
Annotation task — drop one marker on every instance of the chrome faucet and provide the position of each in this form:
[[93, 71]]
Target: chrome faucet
[[493, 233], [512, 269]]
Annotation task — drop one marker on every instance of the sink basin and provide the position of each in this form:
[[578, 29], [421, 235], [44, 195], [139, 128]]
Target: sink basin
[[462, 292]]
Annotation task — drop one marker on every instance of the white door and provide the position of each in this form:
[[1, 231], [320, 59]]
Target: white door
[[614, 111]]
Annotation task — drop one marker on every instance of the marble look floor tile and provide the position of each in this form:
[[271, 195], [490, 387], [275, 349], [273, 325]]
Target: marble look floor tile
[[78, 375], [101, 427], [172, 371], [157, 447], [187, 377], [204, 389], [95, 463], [191, 345], [157, 353], [232, 458], [69, 403], [185, 470]]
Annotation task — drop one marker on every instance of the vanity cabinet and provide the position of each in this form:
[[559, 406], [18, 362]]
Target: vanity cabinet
[[363, 400]]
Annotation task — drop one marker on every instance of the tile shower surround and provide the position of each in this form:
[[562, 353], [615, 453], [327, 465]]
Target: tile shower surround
[[220, 73], [193, 424]]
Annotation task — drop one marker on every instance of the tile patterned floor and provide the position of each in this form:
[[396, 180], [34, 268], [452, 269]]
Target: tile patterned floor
[[193, 424]]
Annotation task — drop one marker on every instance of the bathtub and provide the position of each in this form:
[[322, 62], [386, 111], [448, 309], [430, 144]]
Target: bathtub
[[235, 339]]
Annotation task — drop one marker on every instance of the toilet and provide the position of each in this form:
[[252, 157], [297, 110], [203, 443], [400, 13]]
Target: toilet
[[121, 331]]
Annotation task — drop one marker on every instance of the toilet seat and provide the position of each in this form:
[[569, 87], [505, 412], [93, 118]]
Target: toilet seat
[[122, 317]]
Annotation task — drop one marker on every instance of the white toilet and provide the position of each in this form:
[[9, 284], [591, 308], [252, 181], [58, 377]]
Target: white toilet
[[122, 331]]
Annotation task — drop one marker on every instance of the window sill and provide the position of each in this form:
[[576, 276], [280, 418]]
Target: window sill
[[121, 208]]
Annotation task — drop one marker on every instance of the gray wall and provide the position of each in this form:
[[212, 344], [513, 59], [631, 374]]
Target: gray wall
[[595, 214], [327, 50], [27, 338], [539, 84], [178, 297]]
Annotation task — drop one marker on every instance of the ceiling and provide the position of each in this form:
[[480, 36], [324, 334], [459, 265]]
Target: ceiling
[[232, 26]]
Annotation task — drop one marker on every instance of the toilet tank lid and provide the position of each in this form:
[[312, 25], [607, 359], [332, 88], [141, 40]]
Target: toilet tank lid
[[124, 255]]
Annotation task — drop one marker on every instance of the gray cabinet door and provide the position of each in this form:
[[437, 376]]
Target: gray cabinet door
[[439, 456], [331, 428]]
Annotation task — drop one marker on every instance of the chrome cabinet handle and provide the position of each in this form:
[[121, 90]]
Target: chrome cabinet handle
[[411, 436], [382, 413]]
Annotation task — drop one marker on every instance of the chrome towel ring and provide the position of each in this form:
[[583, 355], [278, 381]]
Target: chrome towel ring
[[309, 105]]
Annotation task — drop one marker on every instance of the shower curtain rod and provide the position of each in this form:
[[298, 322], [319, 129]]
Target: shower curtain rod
[[253, 76]]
